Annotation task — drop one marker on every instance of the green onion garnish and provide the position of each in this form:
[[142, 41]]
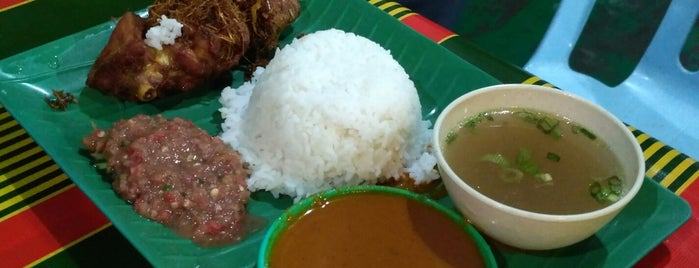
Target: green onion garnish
[[524, 155], [588, 134], [527, 116], [524, 165], [472, 121], [544, 177], [547, 124], [529, 167], [167, 187], [524, 162], [511, 175], [607, 191], [615, 184], [451, 136], [498, 159], [553, 157], [555, 134]]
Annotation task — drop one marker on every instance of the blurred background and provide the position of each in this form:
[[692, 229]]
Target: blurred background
[[612, 43], [614, 39]]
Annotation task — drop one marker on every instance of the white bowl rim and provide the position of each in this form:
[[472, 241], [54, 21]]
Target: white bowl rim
[[616, 206]]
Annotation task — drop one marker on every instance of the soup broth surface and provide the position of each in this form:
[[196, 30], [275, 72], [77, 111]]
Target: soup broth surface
[[511, 156]]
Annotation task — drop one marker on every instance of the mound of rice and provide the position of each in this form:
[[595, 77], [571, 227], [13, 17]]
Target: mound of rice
[[331, 109]]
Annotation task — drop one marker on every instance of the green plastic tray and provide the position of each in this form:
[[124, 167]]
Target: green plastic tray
[[440, 76]]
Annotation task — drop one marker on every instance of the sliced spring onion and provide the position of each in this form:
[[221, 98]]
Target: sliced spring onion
[[599, 192], [587, 133], [451, 136], [474, 120], [603, 194], [615, 184], [524, 162], [471, 123], [524, 165], [613, 197], [511, 175], [166, 187], [553, 157], [556, 134], [527, 116], [498, 159], [529, 167], [524, 155], [607, 191], [547, 124], [543, 177], [575, 128]]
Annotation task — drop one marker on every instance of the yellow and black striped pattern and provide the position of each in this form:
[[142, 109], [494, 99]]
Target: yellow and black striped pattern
[[392, 8], [27, 174]]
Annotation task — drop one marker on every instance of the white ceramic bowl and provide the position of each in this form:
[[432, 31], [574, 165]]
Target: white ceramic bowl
[[520, 228]]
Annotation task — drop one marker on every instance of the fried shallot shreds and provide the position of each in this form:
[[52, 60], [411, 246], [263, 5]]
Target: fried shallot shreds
[[215, 35], [268, 18]]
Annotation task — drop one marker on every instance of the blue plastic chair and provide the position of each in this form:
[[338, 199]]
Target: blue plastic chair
[[660, 97]]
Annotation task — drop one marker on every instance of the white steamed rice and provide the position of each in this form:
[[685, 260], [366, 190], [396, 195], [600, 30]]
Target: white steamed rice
[[164, 33], [331, 109]]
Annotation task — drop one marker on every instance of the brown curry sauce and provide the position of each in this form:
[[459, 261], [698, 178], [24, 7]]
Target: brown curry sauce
[[374, 230]]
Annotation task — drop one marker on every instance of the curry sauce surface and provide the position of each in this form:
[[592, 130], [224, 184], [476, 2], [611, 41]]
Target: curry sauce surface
[[374, 230]]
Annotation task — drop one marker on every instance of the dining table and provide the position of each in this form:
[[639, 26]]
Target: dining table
[[46, 220]]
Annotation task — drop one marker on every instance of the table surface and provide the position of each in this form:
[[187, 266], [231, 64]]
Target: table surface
[[38, 230]]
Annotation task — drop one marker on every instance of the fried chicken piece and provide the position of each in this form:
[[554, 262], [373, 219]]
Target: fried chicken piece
[[120, 65], [214, 37], [268, 18], [216, 34]]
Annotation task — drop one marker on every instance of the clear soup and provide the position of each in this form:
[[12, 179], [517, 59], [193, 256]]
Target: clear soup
[[535, 161]]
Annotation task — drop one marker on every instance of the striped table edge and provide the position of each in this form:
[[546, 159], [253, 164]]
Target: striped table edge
[[38, 201], [9, 4], [664, 164]]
